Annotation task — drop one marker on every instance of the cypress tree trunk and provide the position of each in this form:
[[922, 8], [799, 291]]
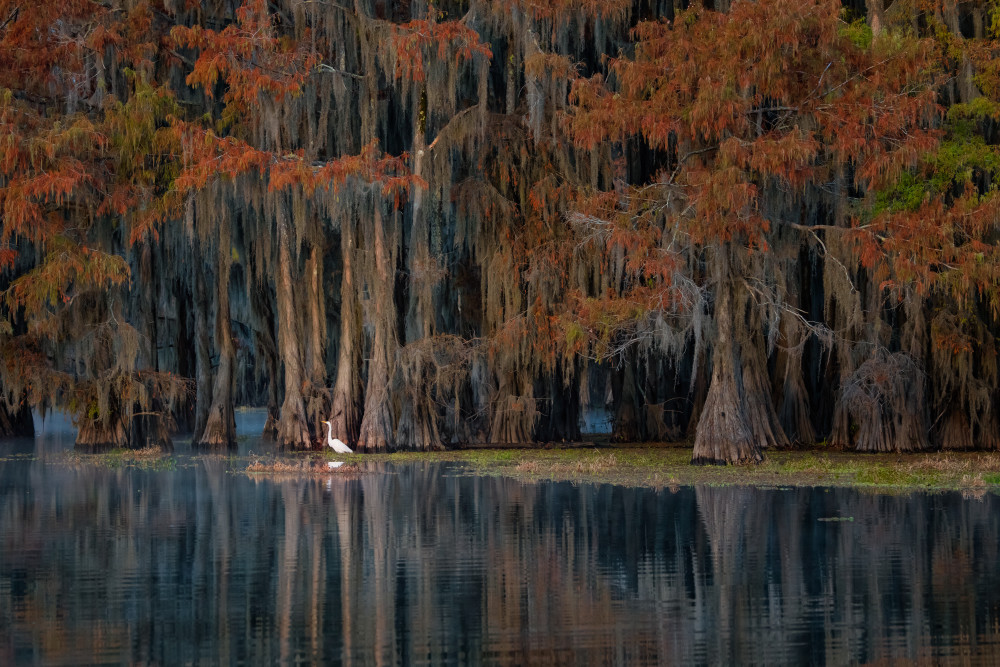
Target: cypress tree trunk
[[203, 359], [317, 317], [153, 426], [293, 430], [953, 430], [738, 418], [724, 434], [377, 427], [186, 367], [260, 304], [793, 402], [794, 407], [316, 400], [884, 399], [347, 386], [220, 427], [96, 437], [765, 427], [513, 415], [623, 387]]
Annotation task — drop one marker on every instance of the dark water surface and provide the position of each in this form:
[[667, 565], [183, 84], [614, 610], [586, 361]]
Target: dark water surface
[[416, 564]]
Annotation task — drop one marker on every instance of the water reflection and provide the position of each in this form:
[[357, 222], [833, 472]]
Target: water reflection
[[415, 565]]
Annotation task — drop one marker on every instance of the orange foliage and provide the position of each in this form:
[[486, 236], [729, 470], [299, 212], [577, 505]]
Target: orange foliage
[[768, 95], [249, 56], [418, 41]]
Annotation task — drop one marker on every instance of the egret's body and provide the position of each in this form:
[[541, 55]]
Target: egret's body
[[336, 444]]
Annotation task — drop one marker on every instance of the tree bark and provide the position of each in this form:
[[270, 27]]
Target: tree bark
[[220, 427], [765, 427], [738, 418], [884, 400], [876, 16], [94, 436], [724, 434], [203, 358], [953, 431], [317, 317], [260, 304], [513, 417], [347, 387], [293, 429], [626, 420], [154, 426], [377, 425], [794, 413], [186, 367], [316, 400]]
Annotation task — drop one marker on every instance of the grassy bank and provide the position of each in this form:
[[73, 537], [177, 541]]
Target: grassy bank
[[645, 466], [669, 466]]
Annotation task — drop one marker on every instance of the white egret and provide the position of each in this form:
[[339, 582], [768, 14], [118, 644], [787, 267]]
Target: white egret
[[336, 444]]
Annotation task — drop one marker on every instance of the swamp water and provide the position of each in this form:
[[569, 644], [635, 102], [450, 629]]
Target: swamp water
[[194, 561]]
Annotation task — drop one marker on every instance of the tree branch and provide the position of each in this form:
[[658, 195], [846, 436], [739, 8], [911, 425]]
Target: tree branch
[[11, 18], [323, 67]]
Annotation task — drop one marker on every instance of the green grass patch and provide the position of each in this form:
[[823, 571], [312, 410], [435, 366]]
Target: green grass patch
[[668, 466], [151, 458]]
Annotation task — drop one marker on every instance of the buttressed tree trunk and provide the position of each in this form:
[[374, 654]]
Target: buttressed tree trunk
[[377, 425], [150, 427], [316, 400], [724, 434], [738, 418], [97, 435], [347, 386], [293, 430], [94, 436], [220, 428], [765, 426]]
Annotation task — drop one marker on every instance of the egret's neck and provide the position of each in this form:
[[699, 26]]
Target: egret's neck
[[329, 432]]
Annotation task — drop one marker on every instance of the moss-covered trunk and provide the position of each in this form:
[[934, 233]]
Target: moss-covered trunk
[[94, 435], [263, 314], [347, 386], [378, 424], [724, 433], [293, 429], [220, 427], [203, 357], [316, 399]]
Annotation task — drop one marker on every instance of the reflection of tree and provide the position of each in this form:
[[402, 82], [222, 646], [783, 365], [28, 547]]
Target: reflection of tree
[[414, 565]]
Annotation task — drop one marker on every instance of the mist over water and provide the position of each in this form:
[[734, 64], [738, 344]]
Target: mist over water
[[419, 564]]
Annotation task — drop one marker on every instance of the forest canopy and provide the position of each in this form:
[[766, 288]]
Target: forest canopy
[[756, 224]]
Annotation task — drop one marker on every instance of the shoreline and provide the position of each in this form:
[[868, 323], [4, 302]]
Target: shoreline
[[648, 466], [666, 466]]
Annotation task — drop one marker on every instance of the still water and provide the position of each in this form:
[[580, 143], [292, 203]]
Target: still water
[[420, 564]]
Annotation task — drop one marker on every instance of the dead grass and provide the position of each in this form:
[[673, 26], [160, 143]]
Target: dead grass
[[299, 467], [603, 463], [143, 454], [152, 458]]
